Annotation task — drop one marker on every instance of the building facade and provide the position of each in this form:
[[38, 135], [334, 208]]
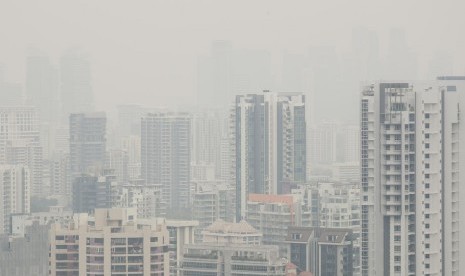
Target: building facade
[[15, 192], [112, 242], [87, 142], [165, 150], [410, 163], [269, 137]]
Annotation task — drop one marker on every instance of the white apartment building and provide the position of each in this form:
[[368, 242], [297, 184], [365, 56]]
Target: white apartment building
[[212, 201], [15, 194], [111, 242], [20, 142], [273, 214], [410, 165]]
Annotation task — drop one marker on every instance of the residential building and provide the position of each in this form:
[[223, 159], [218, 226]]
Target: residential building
[[222, 232], [231, 259], [321, 251], [206, 140], [181, 234], [87, 142], [25, 254], [20, 142], [269, 138], [212, 201], [410, 159], [110, 242], [165, 151], [15, 192], [273, 214], [91, 192]]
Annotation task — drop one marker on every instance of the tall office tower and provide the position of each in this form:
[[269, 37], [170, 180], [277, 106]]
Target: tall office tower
[[112, 242], [165, 150], [87, 142], [76, 83], [410, 163], [15, 191], [206, 139], [20, 142], [269, 132], [42, 86]]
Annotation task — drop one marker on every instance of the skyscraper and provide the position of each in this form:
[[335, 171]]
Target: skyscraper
[[165, 150], [269, 132], [87, 142], [410, 163]]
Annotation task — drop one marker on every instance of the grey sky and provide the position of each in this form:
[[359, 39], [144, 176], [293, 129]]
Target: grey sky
[[146, 51]]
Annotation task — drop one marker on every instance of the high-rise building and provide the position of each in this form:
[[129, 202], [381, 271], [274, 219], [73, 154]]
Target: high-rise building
[[410, 161], [111, 242], [76, 83], [165, 150], [87, 142], [15, 192], [20, 142], [269, 132], [206, 140]]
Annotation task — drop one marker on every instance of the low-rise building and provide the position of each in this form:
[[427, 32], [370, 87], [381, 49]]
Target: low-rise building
[[232, 259], [273, 214], [322, 251], [222, 232]]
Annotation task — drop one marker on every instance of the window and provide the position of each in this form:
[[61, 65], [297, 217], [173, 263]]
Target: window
[[426, 115], [427, 125], [427, 135]]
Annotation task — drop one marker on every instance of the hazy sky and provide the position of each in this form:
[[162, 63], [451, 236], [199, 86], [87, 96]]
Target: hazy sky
[[146, 51]]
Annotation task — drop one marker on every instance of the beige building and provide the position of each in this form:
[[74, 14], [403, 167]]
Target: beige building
[[221, 232], [110, 242]]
